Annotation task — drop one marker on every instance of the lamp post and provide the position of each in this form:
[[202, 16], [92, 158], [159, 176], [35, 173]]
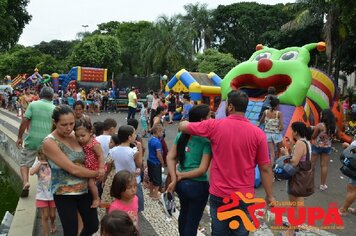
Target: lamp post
[[85, 28]]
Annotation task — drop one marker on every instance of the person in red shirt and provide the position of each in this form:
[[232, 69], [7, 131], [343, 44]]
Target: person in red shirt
[[237, 147]]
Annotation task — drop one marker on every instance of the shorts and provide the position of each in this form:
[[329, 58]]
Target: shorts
[[28, 157], [321, 150], [352, 182], [45, 203], [172, 107], [274, 138], [155, 173]]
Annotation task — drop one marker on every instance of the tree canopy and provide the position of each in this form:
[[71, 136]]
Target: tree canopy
[[214, 61], [100, 51], [13, 18]]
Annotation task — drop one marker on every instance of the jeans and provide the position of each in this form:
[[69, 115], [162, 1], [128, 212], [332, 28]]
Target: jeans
[[141, 201], [193, 196], [131, 113], [68, 206], [218, 227]]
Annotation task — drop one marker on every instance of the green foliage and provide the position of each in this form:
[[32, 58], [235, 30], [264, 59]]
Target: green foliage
[[167, 46], [199, 20], [24, 60], [130, 35], [57, 48], [99, 51], [239, 27], [13, 18], [213, 61]]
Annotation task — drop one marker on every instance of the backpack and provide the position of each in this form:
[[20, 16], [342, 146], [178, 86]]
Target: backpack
[[348, 160]]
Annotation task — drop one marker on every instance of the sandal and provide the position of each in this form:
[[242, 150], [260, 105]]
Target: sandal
[[342, 213], [25, 191]]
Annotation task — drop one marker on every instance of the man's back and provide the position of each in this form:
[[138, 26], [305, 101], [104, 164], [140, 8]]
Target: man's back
[[132, 97], [237, 147], [40, 115]]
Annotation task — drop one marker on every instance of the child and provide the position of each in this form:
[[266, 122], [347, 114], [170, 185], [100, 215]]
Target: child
[[143, 119], [98, 128], [123, 189], [155, 161], [134, 123], [44, 197], [94, 159], [109, 129], [128, 156], [117, 223], [186, 106], [271, 91], [110, 172]]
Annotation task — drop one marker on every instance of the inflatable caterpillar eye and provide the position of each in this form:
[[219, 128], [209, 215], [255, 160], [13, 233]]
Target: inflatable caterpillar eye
[[266, 55], [292, 55]]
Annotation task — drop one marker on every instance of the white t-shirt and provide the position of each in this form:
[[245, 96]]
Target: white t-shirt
[[44, 182], [124, 159], [79, 96], [104, 141]]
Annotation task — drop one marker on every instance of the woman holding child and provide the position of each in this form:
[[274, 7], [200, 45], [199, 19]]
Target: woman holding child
[[69, 176]]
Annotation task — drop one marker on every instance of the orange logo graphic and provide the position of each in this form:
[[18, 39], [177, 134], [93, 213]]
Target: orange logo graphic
[[234, 201]]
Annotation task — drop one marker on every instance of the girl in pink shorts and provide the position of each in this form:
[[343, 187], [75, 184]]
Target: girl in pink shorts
[[44, 196]]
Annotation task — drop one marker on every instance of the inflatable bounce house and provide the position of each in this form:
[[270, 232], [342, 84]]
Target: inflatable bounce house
[[303, 92], [83, 77], [202, 88], [18, 79]]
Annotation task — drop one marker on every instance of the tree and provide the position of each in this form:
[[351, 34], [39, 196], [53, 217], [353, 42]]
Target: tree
[[25, 60], [214, 61], [238, 27], [130, 35], [57, 48], [338, 28], [13, 18], [97, 51], [198, 18], [167, 46]]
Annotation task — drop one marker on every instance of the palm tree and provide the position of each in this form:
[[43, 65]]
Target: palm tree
[[328, 13], [198, 18], [167, 46]]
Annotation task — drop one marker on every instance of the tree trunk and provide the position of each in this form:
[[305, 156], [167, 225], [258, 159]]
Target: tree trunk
[[337, 63]]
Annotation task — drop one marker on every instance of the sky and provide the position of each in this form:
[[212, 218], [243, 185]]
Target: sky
[[63, 19]]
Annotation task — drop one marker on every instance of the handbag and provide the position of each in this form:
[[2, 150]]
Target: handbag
[[302, 183]]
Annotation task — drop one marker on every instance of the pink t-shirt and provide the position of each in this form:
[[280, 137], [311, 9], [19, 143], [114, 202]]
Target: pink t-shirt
[[131, 209], [237, 146]]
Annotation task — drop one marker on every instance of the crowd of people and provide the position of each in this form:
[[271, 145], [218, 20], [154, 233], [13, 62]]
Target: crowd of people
[[88, 165]]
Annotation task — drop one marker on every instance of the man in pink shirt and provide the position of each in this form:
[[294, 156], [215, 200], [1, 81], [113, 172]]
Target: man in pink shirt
[[237, 147]]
